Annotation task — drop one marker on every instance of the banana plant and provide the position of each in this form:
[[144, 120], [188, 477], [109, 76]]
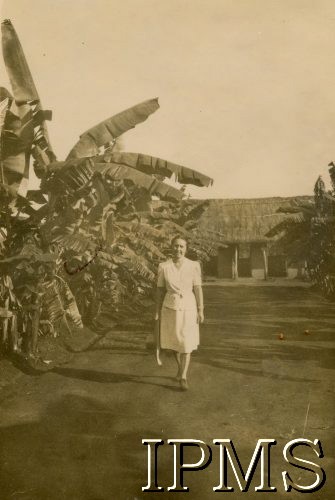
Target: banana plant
[[83, 214], [308, 232]]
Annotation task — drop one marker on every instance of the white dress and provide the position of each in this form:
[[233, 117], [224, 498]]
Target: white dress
[[179, 328]]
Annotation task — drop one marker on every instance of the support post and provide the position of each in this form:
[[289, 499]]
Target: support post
[[265, 259], [2, 177], [235, 263]]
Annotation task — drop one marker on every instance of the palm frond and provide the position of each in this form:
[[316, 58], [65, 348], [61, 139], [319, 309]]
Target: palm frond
[[141, 229], [194, 212], [136, 264], [69, 302], [170, 228], [329, 197], [58, 303], [294, 219], [77, 243], [140, 244], [295, 206]]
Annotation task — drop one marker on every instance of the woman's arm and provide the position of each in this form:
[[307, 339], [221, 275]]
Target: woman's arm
[[160, 293], [200, 302]]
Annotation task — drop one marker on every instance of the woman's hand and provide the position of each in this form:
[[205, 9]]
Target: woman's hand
[[201, 316]]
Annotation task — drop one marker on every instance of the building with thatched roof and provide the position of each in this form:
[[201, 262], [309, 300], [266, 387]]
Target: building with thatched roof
[[241, 225]]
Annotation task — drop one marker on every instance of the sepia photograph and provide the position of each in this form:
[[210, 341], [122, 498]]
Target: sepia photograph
[[167, 249]]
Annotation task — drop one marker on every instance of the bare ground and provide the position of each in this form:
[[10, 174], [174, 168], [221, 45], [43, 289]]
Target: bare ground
[[265, 369]]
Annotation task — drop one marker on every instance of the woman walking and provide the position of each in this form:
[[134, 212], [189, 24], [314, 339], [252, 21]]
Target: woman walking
[[179, 306]]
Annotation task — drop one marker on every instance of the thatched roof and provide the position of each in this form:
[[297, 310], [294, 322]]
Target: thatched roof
[[245, 220]]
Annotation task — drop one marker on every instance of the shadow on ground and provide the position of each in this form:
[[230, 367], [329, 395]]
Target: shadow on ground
[[77, 443], [86, 443]]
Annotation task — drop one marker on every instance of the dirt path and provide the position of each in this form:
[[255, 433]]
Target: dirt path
[[75, 433]]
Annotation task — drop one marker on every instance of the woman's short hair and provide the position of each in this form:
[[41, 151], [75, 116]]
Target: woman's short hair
[[179, 237]]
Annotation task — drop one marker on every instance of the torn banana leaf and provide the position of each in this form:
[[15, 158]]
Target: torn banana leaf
[[116, 172], [3, 110], [152, 165], [37, 196], [22, 82], [23, 86], [108, 130]]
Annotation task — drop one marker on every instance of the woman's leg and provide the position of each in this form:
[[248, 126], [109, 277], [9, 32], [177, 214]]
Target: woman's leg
[[185, 359], [177, 357]]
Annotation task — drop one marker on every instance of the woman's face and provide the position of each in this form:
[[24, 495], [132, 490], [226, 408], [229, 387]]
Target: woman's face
[[178, 248]]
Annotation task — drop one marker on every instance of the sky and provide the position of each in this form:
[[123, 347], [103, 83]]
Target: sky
[[246, 87]]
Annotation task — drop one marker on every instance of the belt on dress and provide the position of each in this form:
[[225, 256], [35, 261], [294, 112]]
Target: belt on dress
[[174, 300]]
